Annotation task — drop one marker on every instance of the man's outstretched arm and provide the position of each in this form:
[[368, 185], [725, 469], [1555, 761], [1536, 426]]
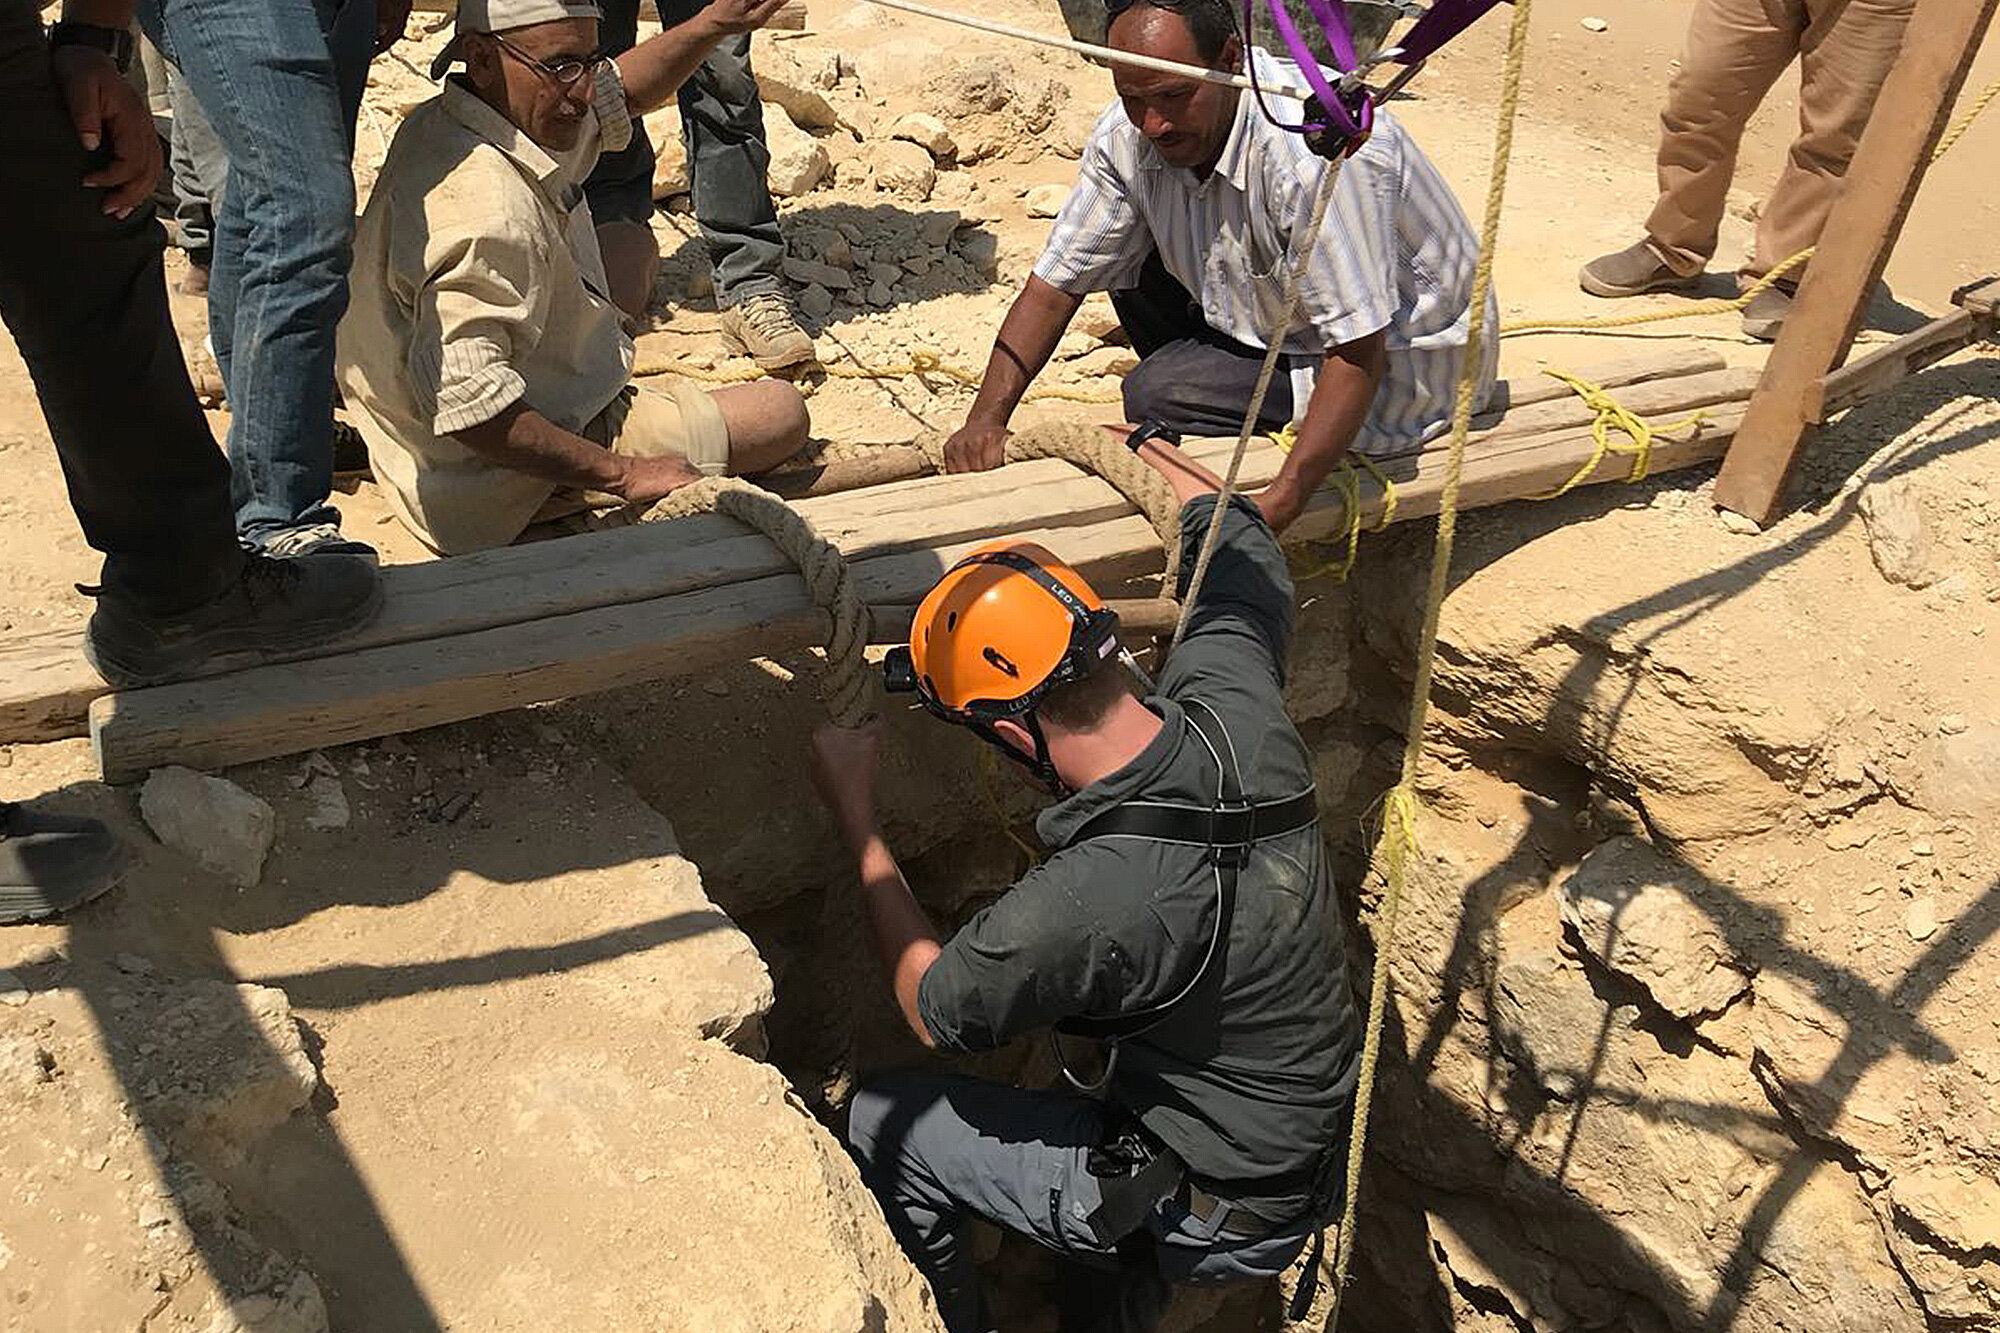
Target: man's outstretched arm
[[1027, 339], [844, 773], [1341, 399], [655, 69]]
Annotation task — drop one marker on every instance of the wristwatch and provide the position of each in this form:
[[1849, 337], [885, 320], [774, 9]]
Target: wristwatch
[[114, 42], [1150, 429]]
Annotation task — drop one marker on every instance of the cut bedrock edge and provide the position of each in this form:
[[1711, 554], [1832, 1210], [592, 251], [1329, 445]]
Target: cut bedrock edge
[[46, 687]]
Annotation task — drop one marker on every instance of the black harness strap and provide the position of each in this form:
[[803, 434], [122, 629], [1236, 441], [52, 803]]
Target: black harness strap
[[1228, 828]]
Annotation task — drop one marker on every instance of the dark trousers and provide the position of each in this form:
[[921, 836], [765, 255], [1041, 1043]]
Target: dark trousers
[[1190, 377], [722, 121], [941, 1149], [85, 297]]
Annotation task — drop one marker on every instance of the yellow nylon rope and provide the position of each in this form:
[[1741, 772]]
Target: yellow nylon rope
[[1348, 482], [1612, 414], [1398, 844]]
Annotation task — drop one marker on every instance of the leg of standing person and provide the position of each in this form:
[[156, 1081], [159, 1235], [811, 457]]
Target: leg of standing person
[[620, 189], [722, 120], [201, 171], [1734, 51], [84, 296], [1845, 57], [265, 72]]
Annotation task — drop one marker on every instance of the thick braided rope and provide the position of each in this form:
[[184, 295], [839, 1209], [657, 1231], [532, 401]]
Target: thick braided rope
[[846, 685], [849, 698], [1093, 449], [1398, 842], [1274, 349]]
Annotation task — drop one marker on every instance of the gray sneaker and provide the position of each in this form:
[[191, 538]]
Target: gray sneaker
[[50, 863], [312, 539], [1634, 271], [1764, 317], [276, 608], [765, 328]]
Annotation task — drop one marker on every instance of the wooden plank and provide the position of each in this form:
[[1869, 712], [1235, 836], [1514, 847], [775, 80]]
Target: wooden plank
[[1509, 415], [285, 709], [45, 686], [1975, 320], [1895, 150], [297, 706]]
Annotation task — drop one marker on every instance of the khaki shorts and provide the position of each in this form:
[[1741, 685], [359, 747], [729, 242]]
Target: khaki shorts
[[665, 415]]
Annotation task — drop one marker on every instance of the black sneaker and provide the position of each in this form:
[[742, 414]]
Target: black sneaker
[[311, 539], [276, 608], [51, 863]]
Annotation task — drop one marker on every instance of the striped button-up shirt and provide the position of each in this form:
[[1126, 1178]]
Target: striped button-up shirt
[[1394, 255]]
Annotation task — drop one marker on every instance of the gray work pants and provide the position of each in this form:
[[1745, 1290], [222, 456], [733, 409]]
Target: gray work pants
[[941, 1149]]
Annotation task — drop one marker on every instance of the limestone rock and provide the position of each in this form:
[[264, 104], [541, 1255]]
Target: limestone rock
[[815, 301], [935, 229], [798, 161], [781, 82], [329, 804], [112, 1183], [670, 166], [1961, 772], [927, 132], [980, 249], [210, 819], [1107, 361], [1640, 914], [1045, 201], [1899, 540], [1099, 321], [905, 170], [807, 271]]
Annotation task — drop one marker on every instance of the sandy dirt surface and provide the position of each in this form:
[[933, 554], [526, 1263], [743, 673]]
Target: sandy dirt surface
[[501, 844]]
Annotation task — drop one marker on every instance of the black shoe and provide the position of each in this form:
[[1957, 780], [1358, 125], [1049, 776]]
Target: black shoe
[[276, 608], [51, 863]]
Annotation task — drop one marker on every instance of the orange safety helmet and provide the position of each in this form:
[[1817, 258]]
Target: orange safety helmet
[[1002, 628]]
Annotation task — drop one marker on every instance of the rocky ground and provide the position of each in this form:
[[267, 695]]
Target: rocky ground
[[1692, 1026]]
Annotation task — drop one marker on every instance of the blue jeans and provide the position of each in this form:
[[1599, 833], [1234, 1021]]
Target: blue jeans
[[281, 83]]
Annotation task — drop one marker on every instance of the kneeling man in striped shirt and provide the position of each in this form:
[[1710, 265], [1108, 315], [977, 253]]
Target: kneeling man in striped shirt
[[1188, 208]]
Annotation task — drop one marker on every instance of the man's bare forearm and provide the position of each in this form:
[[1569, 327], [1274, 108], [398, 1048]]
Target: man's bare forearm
[[1027, 339], [654, 70], [1341, 399], [523, 439], [903, 935]]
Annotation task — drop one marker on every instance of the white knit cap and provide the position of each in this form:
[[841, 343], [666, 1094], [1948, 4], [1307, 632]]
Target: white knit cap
[[505, 15]]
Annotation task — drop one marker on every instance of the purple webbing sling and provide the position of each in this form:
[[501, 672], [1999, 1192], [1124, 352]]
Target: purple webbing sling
[[1350, 116]]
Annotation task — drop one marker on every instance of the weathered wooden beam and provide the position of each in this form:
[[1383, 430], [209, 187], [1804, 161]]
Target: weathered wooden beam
[[1889, 163], [46, 687], [284, 709], [1521, 407], [1892, 363]]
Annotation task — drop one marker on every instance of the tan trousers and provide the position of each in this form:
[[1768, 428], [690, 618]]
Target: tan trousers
[[1736, 49]]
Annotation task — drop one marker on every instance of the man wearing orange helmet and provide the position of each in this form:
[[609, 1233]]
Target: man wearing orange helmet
[[1185, 915]]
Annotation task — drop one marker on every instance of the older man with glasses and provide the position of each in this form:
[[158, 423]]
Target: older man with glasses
[[482, 354]]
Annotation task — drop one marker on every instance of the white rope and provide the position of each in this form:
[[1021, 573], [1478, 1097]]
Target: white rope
[[1103, 53]]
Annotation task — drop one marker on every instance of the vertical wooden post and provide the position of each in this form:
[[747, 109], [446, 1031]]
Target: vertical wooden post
[[1910, 117]]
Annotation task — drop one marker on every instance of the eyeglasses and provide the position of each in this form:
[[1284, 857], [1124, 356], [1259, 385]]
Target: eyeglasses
[[564, 73]]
